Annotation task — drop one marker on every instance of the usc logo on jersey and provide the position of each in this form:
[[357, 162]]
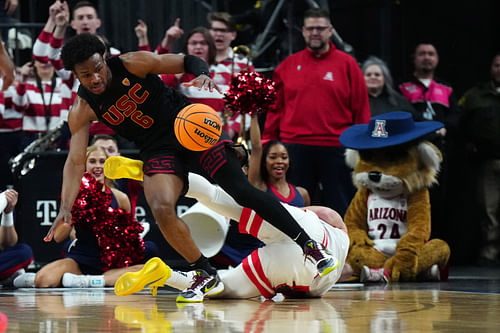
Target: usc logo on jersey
[[126, 106]]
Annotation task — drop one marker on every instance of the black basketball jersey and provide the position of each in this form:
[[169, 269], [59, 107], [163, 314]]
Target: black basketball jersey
[[142, 110]]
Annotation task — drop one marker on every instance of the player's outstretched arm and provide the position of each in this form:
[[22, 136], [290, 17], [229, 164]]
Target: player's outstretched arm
[[141, 63], [79, 120]]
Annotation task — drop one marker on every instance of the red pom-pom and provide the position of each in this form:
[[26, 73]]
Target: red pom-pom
[[119, 239], [250, 92], [116, 231]]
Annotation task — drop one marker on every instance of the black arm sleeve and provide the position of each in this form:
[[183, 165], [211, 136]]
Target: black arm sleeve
[[195, 65]]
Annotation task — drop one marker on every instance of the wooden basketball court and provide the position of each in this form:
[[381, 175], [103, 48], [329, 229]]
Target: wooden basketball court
[[468, 302]]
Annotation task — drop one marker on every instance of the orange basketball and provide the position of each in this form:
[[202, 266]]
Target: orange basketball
[[197, 127]]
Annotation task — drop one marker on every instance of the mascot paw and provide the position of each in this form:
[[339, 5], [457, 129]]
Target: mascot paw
[[405, 270]]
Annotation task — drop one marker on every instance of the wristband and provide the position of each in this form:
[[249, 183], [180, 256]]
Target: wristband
[[195, 65], [7, 220], [205, 73]]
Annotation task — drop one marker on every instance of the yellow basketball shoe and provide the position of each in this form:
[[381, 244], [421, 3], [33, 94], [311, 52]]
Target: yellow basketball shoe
[[117, 167], [153, 275]]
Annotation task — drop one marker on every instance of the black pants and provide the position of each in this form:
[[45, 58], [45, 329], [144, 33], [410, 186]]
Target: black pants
[[322, 169]]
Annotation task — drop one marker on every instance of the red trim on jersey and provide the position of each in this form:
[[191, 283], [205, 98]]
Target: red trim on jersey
[[250, 222], [214, 158], [256, 224], [325, 238], [245, 215], [256, 264], [258, 267]]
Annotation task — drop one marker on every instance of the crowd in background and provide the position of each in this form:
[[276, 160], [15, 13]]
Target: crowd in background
[[320, 92]]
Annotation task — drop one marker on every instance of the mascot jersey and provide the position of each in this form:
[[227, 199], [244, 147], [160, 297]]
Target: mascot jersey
[[142, 110], [387, 221]]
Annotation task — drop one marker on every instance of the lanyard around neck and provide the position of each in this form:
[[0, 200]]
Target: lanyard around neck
[[47, 107]]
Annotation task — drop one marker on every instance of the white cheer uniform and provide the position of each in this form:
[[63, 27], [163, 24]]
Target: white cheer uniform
[[280, 265]]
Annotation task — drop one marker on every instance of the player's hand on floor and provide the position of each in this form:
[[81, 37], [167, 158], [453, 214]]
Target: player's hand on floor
[[62, 218]]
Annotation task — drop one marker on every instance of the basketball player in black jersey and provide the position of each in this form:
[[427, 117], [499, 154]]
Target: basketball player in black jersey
[[126, 94]]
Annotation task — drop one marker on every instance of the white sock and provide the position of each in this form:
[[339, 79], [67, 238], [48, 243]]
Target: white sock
[[70, 280], [180, 280]]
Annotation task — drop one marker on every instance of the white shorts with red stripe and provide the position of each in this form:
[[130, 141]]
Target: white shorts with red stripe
[[280, 264]]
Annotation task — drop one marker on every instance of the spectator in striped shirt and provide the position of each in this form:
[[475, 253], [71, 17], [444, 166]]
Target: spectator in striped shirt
[[223, 29], [43, 99], [200, 43], [47, 47]]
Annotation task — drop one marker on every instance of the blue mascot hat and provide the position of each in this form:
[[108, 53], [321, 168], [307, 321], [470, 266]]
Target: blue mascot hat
[[387, 129]]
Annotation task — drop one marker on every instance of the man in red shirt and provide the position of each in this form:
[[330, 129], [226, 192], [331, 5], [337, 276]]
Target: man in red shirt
[[321, 92]]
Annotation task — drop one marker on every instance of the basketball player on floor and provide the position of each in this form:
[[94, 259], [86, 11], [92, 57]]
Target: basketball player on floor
[[126, 94], [277, 267]]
